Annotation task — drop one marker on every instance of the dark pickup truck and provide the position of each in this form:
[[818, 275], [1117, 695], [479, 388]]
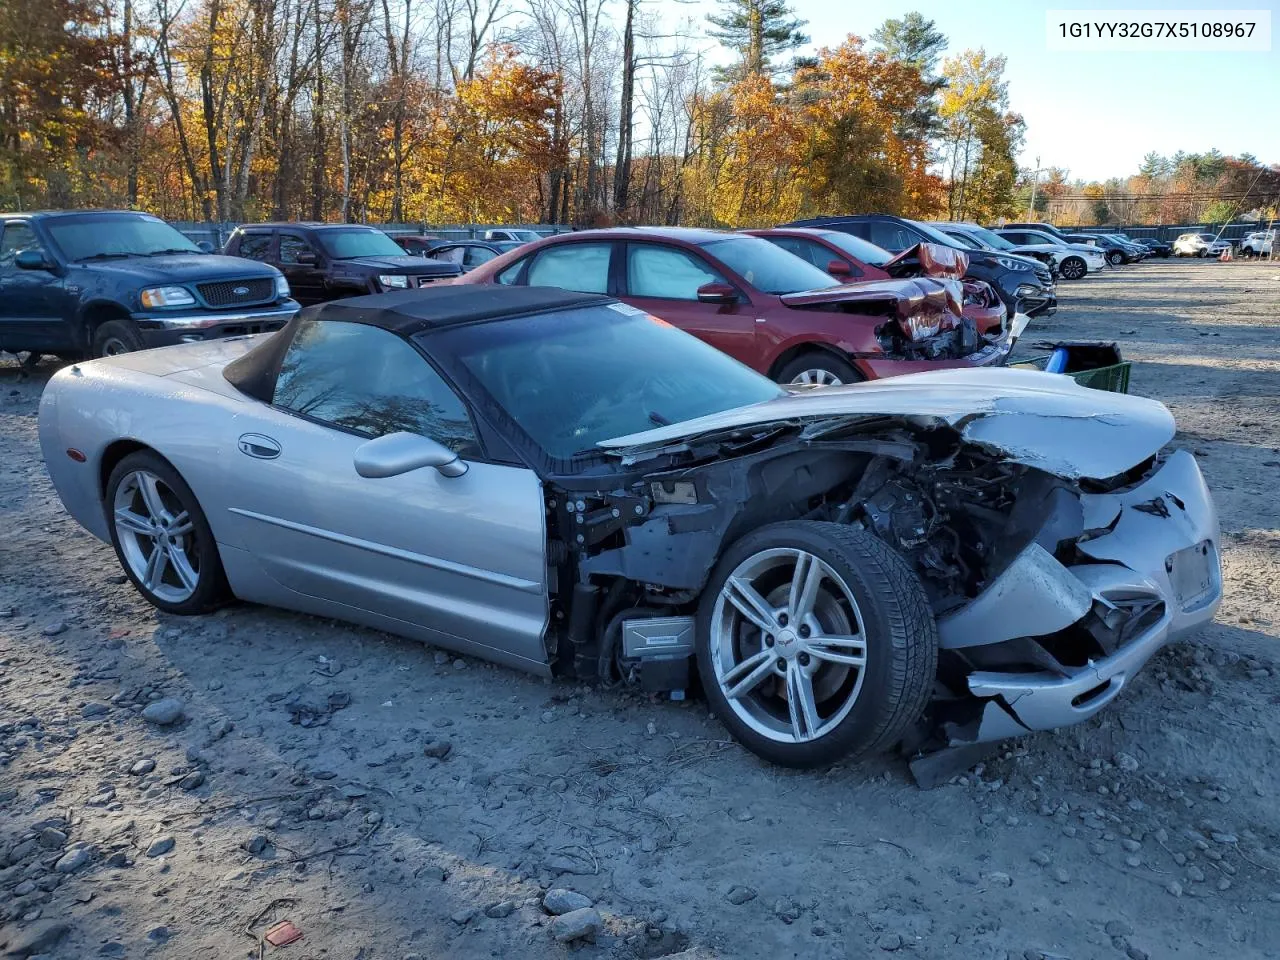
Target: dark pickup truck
[[99, 283], [329, 261]]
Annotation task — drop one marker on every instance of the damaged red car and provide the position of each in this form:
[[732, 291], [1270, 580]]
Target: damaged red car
[[767, 308], [848, 258]]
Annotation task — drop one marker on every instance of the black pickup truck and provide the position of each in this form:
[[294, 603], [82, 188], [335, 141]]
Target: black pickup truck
[[329, 261], [96, 283]]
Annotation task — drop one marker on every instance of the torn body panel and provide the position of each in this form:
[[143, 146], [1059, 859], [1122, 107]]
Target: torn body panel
[[1057, 556]]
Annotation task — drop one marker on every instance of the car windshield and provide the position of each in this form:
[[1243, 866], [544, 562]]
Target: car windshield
[[1208, 236], [934, 235], [358, 242], [767, 267], [115, 236], [528, 236], [573, 378], [992, 240], [860, 249]]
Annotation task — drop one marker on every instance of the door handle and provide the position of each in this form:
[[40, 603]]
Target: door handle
[[260, 447]]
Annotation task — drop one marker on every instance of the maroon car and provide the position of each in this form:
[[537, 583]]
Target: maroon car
[[846, 257], [761, 305]]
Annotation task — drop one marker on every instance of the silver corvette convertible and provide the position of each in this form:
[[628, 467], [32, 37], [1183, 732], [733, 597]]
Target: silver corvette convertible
[[561, 483]]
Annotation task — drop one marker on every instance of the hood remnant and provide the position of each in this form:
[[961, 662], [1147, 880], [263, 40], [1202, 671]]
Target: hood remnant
[[929, 260], [1035, 419]]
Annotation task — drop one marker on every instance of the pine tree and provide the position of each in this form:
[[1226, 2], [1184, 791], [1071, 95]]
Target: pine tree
[[757, 30]]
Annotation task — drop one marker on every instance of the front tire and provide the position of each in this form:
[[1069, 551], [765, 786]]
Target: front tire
[[1115, 258], [818, 369], [1073, 268], [162, 538], [815, 643], [116, 337]]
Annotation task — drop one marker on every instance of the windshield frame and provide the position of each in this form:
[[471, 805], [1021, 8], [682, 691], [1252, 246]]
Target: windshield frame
[[816, 278], [54, 225], [451, 347], [322, 237]]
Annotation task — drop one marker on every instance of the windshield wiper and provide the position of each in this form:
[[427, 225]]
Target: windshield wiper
[[109, 256], [161, 253], [659, 419]]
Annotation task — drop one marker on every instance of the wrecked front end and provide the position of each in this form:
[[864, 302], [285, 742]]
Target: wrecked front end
[[1058, 543]]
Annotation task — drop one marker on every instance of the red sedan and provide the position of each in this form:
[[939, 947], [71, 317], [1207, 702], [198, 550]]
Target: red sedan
[[763, 306], [846, 257]]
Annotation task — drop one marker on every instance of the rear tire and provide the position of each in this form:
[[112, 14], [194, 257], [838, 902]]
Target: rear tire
[[162, 538], [115, 337], [1073, 268], [818, 369], [858, 644]]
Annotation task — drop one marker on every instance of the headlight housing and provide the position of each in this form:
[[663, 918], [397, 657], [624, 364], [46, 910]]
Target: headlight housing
[[397, 281], [154, 297], [282, 287], [1010, 264]]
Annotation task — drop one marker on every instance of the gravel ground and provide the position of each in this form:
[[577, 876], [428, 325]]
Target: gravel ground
[[395, 802]]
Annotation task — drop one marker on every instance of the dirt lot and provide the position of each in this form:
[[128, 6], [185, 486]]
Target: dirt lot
[[395, 802]]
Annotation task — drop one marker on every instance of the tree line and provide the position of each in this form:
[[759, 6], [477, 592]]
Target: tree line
[[583, 112]]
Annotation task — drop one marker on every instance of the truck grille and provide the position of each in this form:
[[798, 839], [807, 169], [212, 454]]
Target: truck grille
[[427, 281], [238, 293]]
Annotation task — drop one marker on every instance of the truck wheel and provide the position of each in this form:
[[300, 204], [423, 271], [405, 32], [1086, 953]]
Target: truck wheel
[[815, 642], [116, 337], [818, 369]]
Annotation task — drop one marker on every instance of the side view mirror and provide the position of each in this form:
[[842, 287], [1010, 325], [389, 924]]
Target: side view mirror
[[32, 260], [307, 259], [840, 269], [717, 293], [205, 246], [399, 453]]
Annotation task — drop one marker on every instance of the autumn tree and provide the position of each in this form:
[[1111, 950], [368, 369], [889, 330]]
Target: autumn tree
[[919, 43], [981, 138], [757, 31]]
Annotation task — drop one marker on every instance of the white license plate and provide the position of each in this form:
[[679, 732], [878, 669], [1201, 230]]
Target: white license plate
[[1191, 574]]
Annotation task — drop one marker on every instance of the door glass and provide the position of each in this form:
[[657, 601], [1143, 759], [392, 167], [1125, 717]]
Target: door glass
[[891, 236], [290, 246], [449, 254], [17, 237], [255, 246], [657, 271], [477, 255], [367, 380], [583, 267]]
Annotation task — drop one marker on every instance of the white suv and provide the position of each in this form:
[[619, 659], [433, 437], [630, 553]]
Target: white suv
[[1258, 244], [1199, 245]]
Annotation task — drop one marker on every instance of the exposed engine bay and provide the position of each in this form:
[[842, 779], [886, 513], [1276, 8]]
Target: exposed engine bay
[[1007, 553]]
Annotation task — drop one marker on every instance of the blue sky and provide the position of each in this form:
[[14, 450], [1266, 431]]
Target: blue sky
[[1096, 114]]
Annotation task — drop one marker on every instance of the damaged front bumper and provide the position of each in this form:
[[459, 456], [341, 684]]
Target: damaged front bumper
[[1149, 572]]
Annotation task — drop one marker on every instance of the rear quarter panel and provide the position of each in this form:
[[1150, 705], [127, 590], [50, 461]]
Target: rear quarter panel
[[92, 406]]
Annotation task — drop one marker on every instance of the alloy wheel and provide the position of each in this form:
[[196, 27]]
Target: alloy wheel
[[816, 377], [1073, 269], [788, 645], [156, 536]]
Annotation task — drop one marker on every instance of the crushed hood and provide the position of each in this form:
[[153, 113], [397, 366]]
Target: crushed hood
[[1041, 420]]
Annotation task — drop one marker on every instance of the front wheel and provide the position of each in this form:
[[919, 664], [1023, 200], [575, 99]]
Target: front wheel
[[818, 369], [1115, 258], [116, 337], [815, 643], [1073, 268], [162, 538]]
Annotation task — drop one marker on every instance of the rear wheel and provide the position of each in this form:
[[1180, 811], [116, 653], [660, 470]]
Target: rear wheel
[[162, 538], [815, 642], [818, 369], [1073, 268], [116, 337]]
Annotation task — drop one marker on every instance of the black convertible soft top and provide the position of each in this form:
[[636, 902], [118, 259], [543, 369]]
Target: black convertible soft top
[[403, 312]]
